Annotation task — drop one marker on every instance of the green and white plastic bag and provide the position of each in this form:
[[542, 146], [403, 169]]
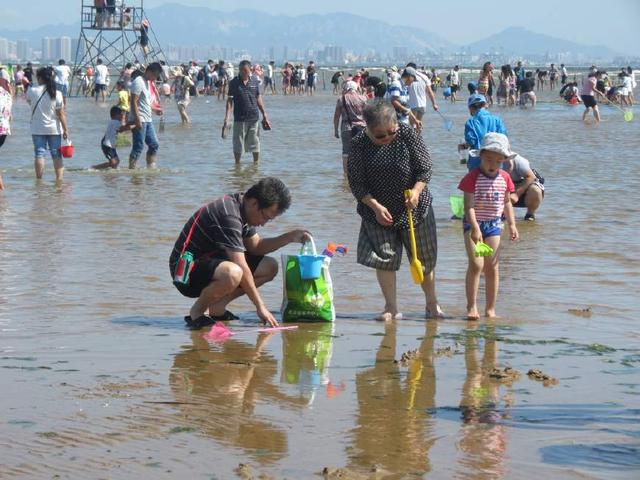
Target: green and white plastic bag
[[306, 300]]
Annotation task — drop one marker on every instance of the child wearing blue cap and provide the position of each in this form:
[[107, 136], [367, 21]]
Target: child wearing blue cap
[[487, 192], [480, 123]]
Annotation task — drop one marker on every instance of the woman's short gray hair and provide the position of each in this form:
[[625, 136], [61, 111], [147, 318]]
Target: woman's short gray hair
[[380, 114]]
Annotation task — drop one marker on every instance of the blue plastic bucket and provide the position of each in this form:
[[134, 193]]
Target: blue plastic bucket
[[311, 266]]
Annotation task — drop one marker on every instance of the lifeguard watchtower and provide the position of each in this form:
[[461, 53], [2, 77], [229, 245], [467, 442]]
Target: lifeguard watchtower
[[116, 31]]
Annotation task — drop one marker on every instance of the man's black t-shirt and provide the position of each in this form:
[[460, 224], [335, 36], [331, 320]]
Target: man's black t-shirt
[[221, 226], [245, 99], [528, 84]]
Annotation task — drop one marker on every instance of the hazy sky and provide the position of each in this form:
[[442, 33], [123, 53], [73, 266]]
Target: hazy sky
[[591, 22]]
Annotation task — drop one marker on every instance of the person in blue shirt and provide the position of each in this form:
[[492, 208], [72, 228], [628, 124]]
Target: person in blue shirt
[[480, 123]]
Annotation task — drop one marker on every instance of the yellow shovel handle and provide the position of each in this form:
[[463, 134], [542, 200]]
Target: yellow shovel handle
[[412, 233]]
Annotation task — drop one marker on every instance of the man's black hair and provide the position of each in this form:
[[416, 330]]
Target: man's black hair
[[270, 191], [412, 65], [154, 67], [244, 63], [115, 111]]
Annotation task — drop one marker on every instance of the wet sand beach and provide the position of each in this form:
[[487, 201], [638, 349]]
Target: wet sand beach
[[100, 379]]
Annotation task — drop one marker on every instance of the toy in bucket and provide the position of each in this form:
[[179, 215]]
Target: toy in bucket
[[66, 150], [310, 262], [333, 249]]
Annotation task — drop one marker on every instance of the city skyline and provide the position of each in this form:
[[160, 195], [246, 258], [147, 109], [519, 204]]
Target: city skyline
[[467, 23]]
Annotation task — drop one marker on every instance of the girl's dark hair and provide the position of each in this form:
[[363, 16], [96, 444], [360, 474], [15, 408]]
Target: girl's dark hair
[[46, 77], [270, 191], [372, 81], [380, 90], [136, 73]]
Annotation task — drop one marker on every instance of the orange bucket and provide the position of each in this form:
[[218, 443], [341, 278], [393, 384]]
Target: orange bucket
[[67, 150]]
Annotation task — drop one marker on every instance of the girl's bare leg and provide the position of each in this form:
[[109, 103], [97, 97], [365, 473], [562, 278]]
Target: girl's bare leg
[[491, 276]]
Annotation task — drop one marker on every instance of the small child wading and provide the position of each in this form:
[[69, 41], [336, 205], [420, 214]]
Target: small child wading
[[486, 197], [108, 142]]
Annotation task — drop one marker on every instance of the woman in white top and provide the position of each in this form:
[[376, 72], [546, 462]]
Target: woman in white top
[[48, 121]]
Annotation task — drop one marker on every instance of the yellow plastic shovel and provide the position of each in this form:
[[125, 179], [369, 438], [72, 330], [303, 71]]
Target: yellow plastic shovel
[[417, 271]]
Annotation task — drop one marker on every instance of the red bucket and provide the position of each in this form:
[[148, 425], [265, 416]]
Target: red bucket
[[67, 150]]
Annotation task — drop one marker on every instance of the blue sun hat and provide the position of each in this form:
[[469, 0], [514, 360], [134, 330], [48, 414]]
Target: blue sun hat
[[475, 99]]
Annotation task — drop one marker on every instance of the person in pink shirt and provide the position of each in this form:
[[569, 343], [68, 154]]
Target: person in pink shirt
[[487, 192], [588, 96]]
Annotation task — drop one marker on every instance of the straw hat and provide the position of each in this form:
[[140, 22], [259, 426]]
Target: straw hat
[[177, 72]]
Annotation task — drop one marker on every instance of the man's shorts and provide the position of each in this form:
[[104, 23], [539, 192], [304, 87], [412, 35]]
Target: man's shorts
[[488, 228], [527, 95], [520, 203], [454, 88], [418, 112], [268, 82], [246, 137], [589, 101], [99, 87], [203, 270], [63, 88], [381, 248]]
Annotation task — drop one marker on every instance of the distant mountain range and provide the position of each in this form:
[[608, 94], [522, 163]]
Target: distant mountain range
[[254, 31], [521, 41]]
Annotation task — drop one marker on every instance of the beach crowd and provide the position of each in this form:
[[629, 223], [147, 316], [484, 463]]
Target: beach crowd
[[379, 120]]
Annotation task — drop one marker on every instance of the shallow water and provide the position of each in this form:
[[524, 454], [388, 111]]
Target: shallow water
[[98, 373]]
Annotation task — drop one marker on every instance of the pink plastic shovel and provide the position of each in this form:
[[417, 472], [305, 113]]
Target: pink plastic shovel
[[220, 332]]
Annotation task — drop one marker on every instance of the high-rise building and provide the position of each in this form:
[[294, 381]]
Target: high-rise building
[[13, 50], [64, 48], [47, 49], [24, 51], [333, 54], [4, 49], [400, 53]]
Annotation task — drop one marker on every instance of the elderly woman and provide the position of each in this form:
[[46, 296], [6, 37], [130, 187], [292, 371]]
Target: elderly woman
[[347, 118], [386, 159]]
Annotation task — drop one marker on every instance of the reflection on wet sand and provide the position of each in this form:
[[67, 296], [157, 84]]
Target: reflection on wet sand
[[483, 439], [394, 430], [219, 388], [306, 354]]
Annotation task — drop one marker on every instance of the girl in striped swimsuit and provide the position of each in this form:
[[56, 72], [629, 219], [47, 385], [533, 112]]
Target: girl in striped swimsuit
[[486, 197]]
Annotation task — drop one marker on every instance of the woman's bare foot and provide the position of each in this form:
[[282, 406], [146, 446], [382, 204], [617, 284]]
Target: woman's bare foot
[[472, 313], [434, 311], [389, 316], [491, 313]]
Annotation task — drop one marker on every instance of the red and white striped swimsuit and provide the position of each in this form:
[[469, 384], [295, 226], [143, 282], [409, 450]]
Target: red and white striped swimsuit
[[488, 193]]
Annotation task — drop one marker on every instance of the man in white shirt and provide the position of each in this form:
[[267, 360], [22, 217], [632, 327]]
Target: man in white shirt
[[101, 78], [143, 104], [418, 91], [454, 82], [269, 79], [62, 74], [563, 74]]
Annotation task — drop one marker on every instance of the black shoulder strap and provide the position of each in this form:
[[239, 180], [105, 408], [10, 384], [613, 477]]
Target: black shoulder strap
[[33, 112]]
